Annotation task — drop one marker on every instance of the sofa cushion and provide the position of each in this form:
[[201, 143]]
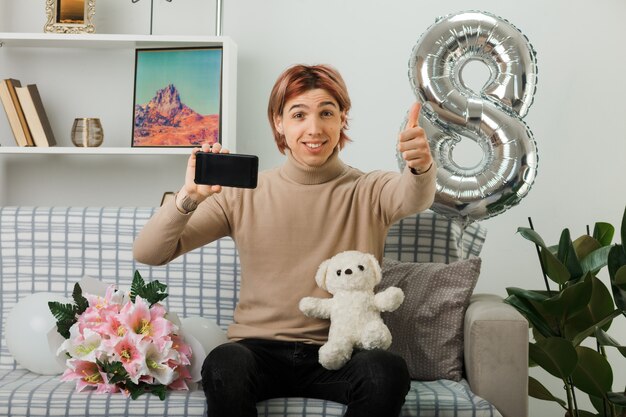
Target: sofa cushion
[[427, 329], [431, 237], [26, 394]]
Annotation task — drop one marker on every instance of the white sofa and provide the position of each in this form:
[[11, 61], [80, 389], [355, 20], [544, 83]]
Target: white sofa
[[48, 249]]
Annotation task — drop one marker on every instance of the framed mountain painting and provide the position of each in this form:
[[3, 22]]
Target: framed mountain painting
[[177, 98]]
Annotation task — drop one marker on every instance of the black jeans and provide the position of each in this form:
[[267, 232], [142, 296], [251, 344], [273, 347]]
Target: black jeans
[[235, 376]]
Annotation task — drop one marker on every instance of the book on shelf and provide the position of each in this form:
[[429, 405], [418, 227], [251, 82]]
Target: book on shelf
[[14, 111], [36, 117]]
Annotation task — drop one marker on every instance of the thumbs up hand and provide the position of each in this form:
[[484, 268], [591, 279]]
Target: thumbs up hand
[[413, 144]]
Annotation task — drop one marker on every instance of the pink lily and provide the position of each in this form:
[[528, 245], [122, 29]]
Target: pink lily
[[142, 320], [127, 351], [86, 373]]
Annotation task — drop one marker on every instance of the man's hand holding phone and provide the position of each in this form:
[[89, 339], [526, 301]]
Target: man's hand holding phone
[[193, 194]]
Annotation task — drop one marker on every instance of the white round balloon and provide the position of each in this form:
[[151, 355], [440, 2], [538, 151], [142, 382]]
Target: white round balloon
[[26, 333], [203, 335]]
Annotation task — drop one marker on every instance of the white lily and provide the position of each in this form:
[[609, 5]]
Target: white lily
[[156, 359], [86, 349]]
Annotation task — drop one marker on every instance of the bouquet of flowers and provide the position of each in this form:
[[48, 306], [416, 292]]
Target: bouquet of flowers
[[122, 342]]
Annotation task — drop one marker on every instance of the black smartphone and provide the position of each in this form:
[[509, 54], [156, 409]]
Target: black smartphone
[[227, 169]]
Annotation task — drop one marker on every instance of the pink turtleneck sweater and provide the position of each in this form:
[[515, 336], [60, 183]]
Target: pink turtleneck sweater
[[296, 218]]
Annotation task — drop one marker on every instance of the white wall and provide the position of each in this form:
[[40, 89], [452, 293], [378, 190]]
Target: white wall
[[577, 117]]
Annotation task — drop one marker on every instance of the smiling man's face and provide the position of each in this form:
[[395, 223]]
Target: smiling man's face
[[311, 123]]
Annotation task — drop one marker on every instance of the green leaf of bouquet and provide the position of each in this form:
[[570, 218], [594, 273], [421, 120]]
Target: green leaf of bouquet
[[605, 339], [603, 233], [134, 390], [554, 354], [528, 310], [154, 292], [599, 307], [137, 286], [80, 301], [61, 311], [567, 255], [65, 315], [151, 292], [114, 370], [160, 390], [593, 373], [554, 268], [595, 260], [571, 299], [537, 390]]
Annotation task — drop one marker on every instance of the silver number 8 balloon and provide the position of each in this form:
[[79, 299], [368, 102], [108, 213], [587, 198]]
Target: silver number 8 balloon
[[492, 117]]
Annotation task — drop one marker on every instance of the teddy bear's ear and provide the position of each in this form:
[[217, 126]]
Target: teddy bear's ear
[[320, 276], [375, 267]]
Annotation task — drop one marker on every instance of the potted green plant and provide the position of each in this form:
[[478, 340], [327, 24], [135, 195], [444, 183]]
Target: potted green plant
[[576, 307]]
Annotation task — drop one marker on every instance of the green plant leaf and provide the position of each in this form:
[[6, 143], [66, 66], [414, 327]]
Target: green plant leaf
[[528, 310], [554, 268], [600, 306], [599, 405], [554, 354], [616, 260], [603, 233], [617, 398], [595, 260], [605, 339], [623, 233], [535, 295], [583, 413], [537, 390], [578, 339], [530, 234], [567, 255], [571, 299], [592, 374], [620, 278], [584, 245]]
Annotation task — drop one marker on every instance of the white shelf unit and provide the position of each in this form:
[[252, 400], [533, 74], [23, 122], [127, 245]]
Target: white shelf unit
[[112, 150], [128, 44]]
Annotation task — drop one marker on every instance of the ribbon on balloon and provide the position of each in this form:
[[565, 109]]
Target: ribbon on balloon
[[491, 117]]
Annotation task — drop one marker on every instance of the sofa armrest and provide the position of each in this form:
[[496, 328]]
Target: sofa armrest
[[496, 354]]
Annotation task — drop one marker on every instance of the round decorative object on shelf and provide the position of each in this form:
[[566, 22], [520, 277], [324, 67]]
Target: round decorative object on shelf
[[87, 132]]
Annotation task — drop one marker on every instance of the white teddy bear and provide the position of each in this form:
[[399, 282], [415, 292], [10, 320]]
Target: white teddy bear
[[354, 310]]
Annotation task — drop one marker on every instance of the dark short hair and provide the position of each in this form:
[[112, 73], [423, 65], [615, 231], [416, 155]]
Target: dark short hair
[[299, 79]]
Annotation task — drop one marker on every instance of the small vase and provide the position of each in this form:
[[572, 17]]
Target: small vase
[[87, 132]]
